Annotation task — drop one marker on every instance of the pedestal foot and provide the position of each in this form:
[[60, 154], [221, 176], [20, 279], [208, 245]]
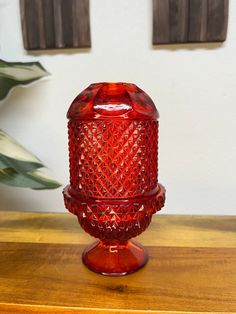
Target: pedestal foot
[[114, 258]]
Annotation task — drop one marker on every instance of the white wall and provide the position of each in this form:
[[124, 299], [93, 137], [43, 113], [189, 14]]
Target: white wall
[[193, 87]]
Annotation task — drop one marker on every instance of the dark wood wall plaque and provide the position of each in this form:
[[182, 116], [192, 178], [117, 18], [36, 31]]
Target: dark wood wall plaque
[[50, 24], [186, 21]]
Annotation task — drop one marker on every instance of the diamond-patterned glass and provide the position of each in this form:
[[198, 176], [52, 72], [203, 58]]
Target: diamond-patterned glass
[[113, 159], [113, 156]]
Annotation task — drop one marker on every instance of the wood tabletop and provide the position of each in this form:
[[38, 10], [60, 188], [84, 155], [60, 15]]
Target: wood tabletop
[[191, 268]]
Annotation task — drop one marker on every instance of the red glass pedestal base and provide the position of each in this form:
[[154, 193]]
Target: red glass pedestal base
[[115, 258]]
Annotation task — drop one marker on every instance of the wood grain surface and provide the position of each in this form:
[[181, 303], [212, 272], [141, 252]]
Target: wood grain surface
[[50, 24], [198, 20], [161, 24], [184, 21], [177, 279], [41, 269], [217, 20], [178, 19], [165, 230]]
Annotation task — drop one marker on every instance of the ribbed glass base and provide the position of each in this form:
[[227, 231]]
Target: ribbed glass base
[[114, 258]]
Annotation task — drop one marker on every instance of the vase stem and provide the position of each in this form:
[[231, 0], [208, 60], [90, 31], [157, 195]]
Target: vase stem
[[115, 258]]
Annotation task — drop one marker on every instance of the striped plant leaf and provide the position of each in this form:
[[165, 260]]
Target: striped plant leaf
[[18, 73], [19, 167], [35, 179]]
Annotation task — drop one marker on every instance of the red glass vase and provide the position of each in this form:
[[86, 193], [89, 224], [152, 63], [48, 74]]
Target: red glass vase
[[114, 189]]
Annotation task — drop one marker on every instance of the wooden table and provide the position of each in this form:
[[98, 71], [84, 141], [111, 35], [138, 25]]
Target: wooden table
[[192, 267]]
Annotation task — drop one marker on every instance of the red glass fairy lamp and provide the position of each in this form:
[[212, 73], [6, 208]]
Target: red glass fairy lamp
[[114, 189]]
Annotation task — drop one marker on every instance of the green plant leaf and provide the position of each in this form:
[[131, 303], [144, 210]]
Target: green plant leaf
[[19, 167], [13, 155], [18, 73], [34, 180]]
